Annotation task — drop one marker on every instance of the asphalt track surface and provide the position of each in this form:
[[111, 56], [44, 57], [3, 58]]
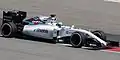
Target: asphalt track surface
[[93, 14]]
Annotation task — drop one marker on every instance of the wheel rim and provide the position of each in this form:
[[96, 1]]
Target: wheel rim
[[76, 39], [6, 30]]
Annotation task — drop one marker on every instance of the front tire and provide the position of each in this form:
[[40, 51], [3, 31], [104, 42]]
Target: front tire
[[100, 34], [77, 39], [8, 29]]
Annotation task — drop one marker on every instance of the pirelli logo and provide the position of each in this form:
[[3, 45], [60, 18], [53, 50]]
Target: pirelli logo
[[41, 30]]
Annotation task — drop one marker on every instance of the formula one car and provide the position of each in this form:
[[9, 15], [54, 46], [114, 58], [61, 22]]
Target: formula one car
[[47, 27]]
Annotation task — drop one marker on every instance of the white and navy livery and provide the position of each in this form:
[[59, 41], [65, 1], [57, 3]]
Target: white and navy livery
[[48, 27]]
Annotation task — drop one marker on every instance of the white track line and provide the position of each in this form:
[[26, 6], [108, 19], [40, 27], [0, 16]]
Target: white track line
[[113, 1]]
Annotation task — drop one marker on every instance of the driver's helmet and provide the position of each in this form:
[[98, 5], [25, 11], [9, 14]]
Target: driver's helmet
[[48, 19], [43, 19], [52, 18]]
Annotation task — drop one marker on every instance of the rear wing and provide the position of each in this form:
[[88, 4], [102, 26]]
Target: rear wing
[[14, 16]]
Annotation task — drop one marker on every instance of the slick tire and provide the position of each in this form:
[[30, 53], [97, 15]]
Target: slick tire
[[100, 34], [77, 39], [8, 29]]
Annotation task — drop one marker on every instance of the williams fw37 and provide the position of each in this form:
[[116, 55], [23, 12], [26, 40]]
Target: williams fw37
[[47, 27]]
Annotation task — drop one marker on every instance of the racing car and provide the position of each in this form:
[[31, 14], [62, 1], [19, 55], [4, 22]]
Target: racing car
[[48, 27]]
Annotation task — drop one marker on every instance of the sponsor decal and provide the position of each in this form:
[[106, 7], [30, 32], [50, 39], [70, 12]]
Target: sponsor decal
[[8, 17], [35, 22], [41, 30], [68, 32]]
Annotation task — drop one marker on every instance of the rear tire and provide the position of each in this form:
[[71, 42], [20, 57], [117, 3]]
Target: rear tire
[[8, 29], [77, 39]]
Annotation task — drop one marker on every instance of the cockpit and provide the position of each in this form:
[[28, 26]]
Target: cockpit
[[47, 20], [52, 20]]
